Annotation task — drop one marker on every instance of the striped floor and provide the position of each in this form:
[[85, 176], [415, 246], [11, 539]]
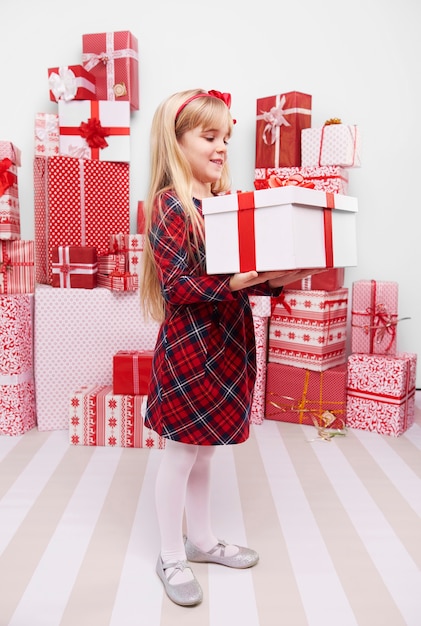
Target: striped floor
[[337, 525]]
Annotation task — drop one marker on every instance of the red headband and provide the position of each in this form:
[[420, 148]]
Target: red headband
[[225, 97]]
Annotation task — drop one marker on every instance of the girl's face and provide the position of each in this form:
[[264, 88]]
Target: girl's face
[[206, 152]]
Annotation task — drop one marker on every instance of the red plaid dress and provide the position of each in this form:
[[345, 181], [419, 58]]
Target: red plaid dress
[[204, 366]]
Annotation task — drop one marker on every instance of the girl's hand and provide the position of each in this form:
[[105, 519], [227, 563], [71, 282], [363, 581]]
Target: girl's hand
[[291, 276], [275, 279]]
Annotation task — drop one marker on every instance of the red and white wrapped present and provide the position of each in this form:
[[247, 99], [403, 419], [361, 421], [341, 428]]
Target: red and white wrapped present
[[47, 142], [78, 202], [74, 267], [302, 396], [308, 329], [331, 144], [113, 59], [119, 281], [109, 263], [381, 392], [277, 229], [132, 371], [10, 160], [330, 280], [17, 386], [77, 333], [98, 130], [279, 122], [374, 317], [332, 178], [17, 266], [71, 82], [98, 417], [134, 245]]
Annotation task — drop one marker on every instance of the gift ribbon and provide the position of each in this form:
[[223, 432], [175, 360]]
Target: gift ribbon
[[44, 126], [64, 84], [65, 267], [354, 140], [7, 179], [246, 231], [16, 379]]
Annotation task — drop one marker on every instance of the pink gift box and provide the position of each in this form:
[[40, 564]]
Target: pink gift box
[[277, 229], [308, 329], [74, 267], [332, 144], [279, 121], [332, 178], [98, 417], [261, 325], [374, 317], [98, 130], [330, 280], [71, 82], [132, 371], [114, 61], [381, 392], [17, 387], [46, 134], [10, 160], [78, 202], [301, 396], [17, 270], [77, 333]]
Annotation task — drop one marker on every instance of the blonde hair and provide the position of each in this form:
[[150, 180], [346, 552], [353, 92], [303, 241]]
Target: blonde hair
[[170, 170]]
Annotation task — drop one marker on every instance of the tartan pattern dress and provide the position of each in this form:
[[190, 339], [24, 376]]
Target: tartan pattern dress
[[204, 365]]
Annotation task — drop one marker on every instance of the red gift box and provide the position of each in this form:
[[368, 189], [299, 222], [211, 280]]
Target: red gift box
[[132, 371], [78, 202], [74, 267], [119, 281], [113, 59], [279, 122], [10, 160], [109, 263], [17, 268], [302, 396], [381, 392], [330, 280], [71, 82]]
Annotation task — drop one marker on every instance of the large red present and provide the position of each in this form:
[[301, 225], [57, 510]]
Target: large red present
[[10, 160], [17, 267], [332, 178], [17, 386], [302, 396], [74, 267], [98, 417], [114, 61], [308, 329], [95, 130], [279, 121], [47, 141], [374, 317], [71, 82], [331, 144], [78, 202], [381, 392], [330, 280], [132, 371]]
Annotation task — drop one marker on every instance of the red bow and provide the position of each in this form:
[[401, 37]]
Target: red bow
[[94, 133], [225, 97], [6, 178], [296, 180]]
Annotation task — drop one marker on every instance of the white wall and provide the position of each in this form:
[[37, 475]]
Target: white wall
[[359, 60]]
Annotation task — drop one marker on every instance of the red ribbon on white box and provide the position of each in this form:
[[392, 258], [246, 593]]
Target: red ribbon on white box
[[64, 267]]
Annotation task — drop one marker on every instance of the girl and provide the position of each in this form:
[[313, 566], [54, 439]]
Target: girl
[[204, 364]]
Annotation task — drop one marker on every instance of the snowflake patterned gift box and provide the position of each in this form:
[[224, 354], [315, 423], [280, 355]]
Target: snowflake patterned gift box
[[47, 140], [74, 267], [10, 161], [331, 144], [134, 245], [332, 178], [303, 396], [17, 266], [381, 392], [308, 329], [17, 386], [71, 82], [277, 229], [113, 58], [98, 130], [99, 417], [279, 121], [78, 202], [132, 371]]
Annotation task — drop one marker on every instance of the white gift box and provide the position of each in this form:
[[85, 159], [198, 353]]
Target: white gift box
[[279, 229], [332, 144]]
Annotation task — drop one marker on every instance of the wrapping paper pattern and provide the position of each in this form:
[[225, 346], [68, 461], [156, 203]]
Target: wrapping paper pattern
[[10, 160], [78, 202], [301, 396], [98, 417], [134, 245], [72, 325], [17, 387], [333, 144], [17, 271], [261, 325], [47, 140], [374, 316], [381, 392], [308, 329], [260, 305], [332, 178]]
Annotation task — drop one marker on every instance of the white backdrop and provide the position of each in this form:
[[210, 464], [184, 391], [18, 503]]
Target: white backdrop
[[359, 61]]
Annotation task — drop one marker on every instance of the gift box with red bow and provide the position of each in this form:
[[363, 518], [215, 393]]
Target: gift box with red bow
[[9, 193], [71, 82], [132, 371], [98, 130], [112, 57], [331, 144], [277, 229], [46, 134], [330, 178], [17, 267], [74, 267], [279, 121]]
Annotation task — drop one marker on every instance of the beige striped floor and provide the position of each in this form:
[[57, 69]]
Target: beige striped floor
[[337, 525]]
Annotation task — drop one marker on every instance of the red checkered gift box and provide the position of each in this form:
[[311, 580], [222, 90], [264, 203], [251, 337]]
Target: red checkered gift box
[[74, 267]]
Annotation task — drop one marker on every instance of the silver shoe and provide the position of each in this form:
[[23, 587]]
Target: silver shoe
[[244, 558], [185, 594]]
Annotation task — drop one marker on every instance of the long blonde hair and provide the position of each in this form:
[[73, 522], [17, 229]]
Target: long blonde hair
[[170, 170]]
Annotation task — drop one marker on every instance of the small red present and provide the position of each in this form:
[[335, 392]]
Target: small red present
[[17, 267], [71, 82], [119, 281], [74, 267], [132, 371], [109, 263]]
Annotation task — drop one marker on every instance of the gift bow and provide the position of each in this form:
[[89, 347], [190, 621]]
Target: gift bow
[[45, 126], [94, 133], [6, 178], [274, 118], [296, 180], [63, 85]]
